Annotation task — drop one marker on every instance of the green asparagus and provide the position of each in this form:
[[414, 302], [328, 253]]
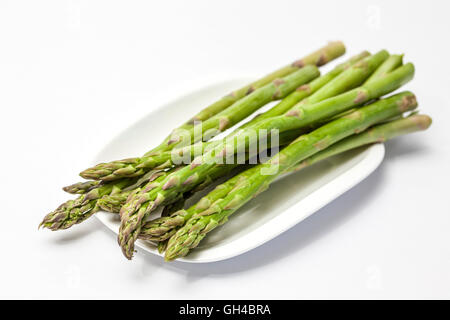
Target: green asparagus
[[393, 62], [258, 179], [139, 207], [76, 211], [133, 167], [275, 90], [82, 187], [379, 133], [162, 228], [320, 57]]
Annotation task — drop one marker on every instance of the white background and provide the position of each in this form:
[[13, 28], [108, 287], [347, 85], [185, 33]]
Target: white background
[[75, 73]]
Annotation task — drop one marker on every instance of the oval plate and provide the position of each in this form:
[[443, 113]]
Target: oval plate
[[288, 201]]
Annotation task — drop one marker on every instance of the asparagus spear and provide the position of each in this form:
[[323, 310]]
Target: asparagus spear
[[287, 103], [257, 180], [137, 166], [163, 228], [82, 187], [275, 90], [137, 209], [158, 225], [314, 89], [111, 196], [320, 57], [162, 245], [308, 89], [379, 133], [76, 211], [310, 106], [113, 203], [393, 62], [178, 204]]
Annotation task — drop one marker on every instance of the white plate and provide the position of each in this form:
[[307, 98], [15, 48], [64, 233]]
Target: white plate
[[288, 201]]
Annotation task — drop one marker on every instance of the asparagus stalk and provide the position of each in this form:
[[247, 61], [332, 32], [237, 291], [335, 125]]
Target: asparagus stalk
[[76, 211], [108, 196], [178, 204], [287, 103], [163, 228], [82, 187], [314, 111], [257, 179], [137, 209], [320, 57], [113, 202], [133, 167], [162, 245], [275, 90], [304, 114], [351, 78], [308, 89], [393, 62], [379, 133], [390, 64]]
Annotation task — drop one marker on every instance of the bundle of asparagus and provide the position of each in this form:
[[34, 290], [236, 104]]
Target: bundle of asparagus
[[316, 117]]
